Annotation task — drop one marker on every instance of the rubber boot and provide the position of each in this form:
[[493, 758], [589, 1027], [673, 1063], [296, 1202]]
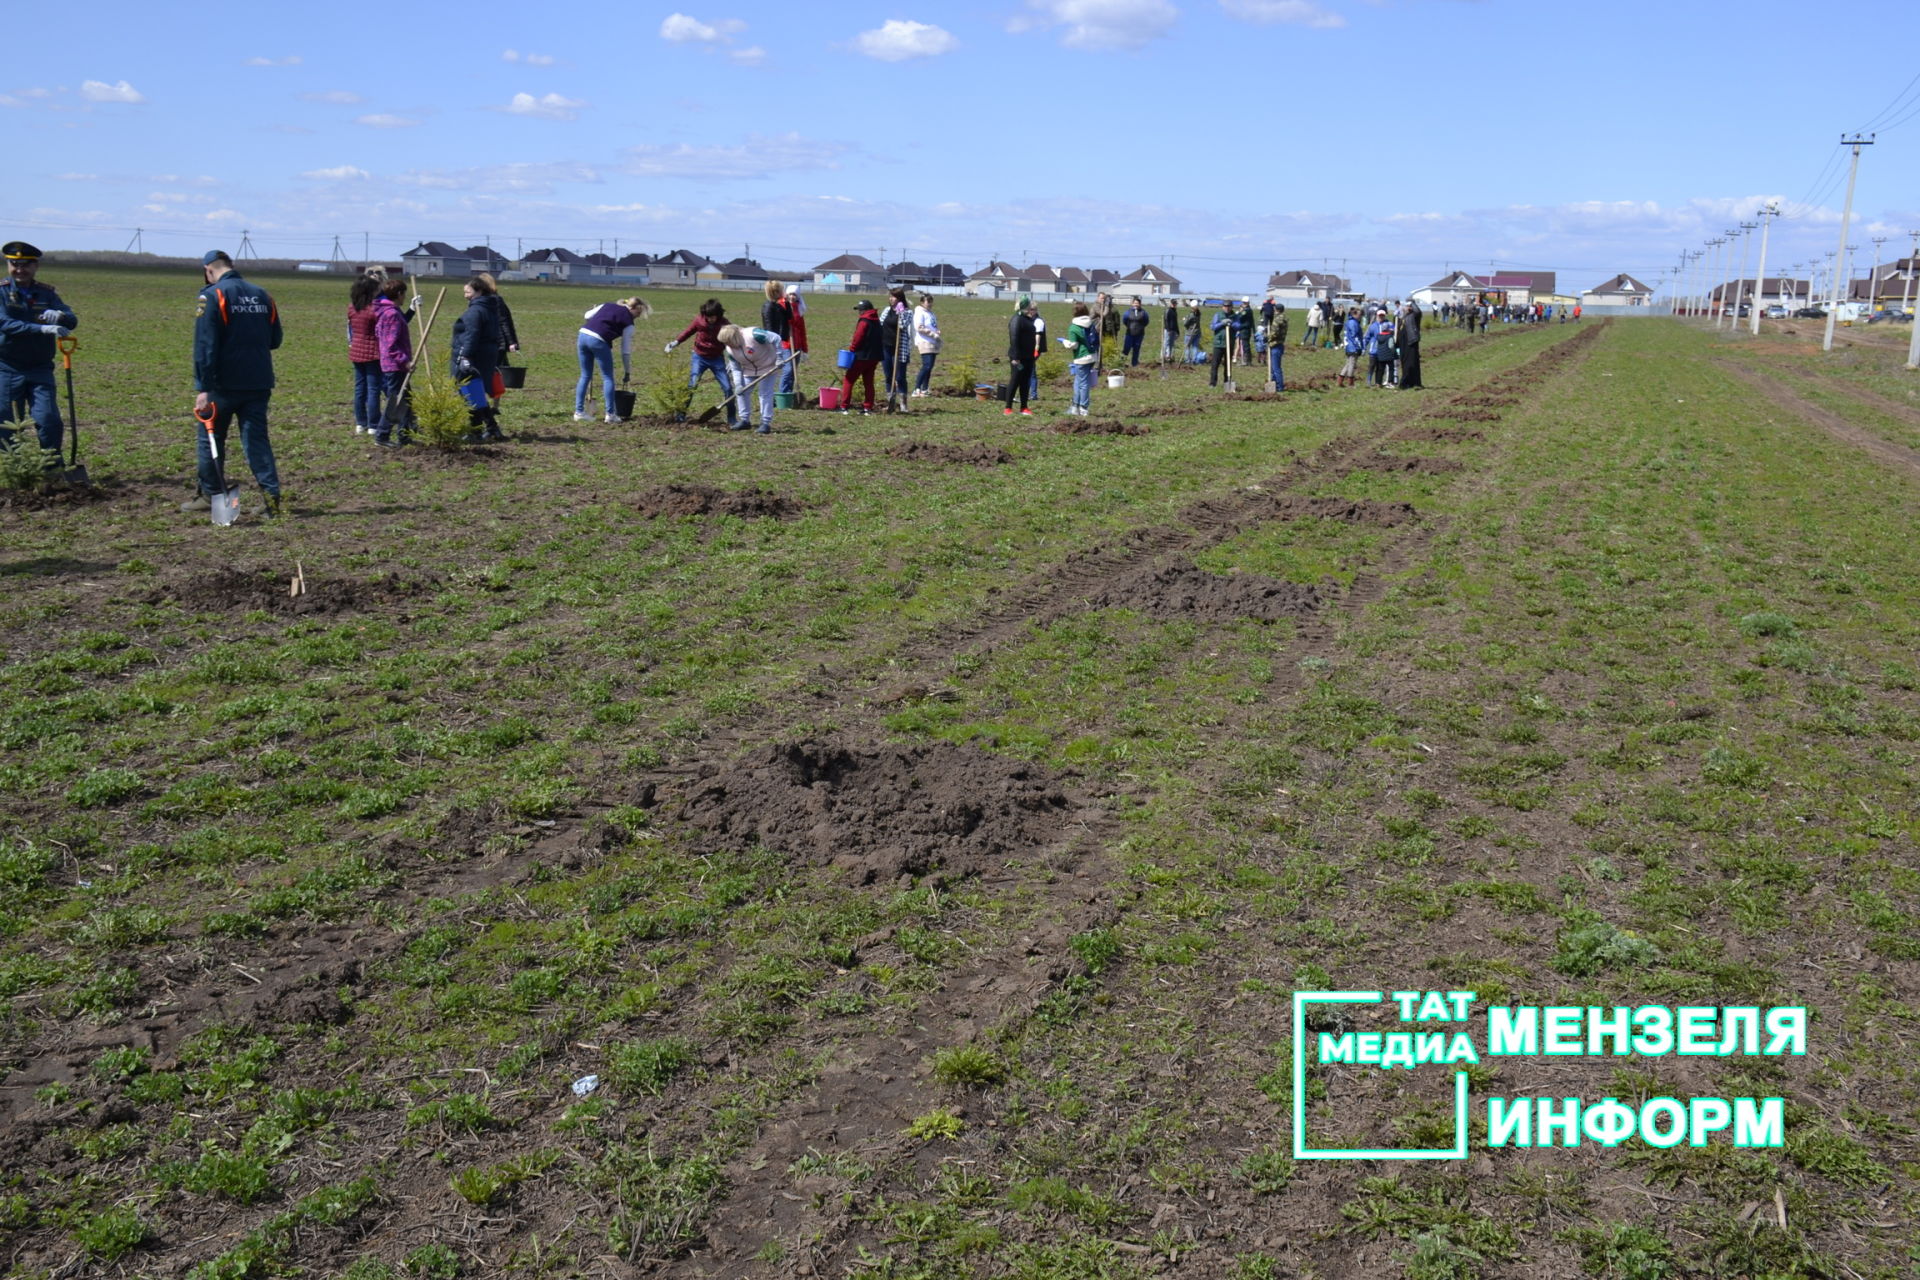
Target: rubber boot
[[493, 431]]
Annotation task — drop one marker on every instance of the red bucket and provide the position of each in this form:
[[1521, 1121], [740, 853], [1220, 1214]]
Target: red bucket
[[829, 397]]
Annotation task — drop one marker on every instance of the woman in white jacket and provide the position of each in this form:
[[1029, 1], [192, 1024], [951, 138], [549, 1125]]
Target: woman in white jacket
[[926, 342]]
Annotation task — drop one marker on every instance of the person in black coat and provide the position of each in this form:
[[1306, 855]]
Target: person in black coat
[[489, 289], [1407, 338], [476, 357], [1023, 352]]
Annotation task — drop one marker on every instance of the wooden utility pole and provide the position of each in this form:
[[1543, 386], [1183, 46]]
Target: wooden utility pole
[[1766, 216]]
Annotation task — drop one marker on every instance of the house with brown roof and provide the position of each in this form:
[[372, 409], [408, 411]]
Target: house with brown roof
[[1621, 291], [1148, 281], [1522, 288], [993, 279], [850, 271], [1456, 288], [1074, 280], [1300, 288]]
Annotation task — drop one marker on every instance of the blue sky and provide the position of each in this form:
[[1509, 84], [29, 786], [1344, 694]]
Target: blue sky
[[1228, 138]]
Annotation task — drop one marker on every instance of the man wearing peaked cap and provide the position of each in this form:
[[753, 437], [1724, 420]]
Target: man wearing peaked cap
[[34, 321]]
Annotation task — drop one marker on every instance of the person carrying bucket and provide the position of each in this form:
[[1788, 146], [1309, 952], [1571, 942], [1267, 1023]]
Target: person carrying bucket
[[600, 328], [708, 355]]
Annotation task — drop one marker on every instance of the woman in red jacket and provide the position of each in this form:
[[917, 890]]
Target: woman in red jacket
[[363, 349], [866, 347]]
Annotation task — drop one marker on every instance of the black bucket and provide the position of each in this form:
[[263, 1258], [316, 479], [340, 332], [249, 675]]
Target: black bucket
[[513, 376], [623, 404]]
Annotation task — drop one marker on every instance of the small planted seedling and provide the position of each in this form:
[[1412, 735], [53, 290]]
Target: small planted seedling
[[935, 1125], [968, 1066]]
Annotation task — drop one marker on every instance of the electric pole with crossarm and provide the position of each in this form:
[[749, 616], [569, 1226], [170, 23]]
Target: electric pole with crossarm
[[1846, 224]]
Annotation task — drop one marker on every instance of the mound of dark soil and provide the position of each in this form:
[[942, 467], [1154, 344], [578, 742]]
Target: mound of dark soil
[[231, 589], [1178, 588], [1259, 395], [1415, 463], [881, 812], [1463, 414], [60, 496], [1485, 402], [752, 503], [1168, 410], [1439, 435], [462, 455], [1384, 515], [976, 455], [1095, 427]]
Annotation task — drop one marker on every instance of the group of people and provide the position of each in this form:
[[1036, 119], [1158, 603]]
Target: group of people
[[889, 341], [1391, 343]]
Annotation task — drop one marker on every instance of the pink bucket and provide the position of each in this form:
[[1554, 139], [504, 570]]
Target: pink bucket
[[829, 397]]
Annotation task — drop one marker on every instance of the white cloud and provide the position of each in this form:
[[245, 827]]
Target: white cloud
[[522, 179], [530, 59], [231, 217], [1101, 24], [758, 157], [291, 60], [751, 56], [1298, 13], [896, 41], [101, 91], [681, 29], [339, 173], [76, 177], [550, 107], [383, 121], [336, 97]]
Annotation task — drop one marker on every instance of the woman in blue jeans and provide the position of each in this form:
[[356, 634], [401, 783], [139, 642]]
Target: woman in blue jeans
[[602, 327], [1083, 348]]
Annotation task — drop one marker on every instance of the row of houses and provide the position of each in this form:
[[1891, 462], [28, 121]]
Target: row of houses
[[1457, 288], [848, 272], [1894, 284]]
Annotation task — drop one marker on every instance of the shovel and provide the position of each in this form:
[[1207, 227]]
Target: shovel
[[713, 411], [76, 474], [1228, 381], [225, 503]]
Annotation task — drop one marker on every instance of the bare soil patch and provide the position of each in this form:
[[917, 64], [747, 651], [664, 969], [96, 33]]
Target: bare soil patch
[[1439, 435], [1177, 588], [1467, 415], [1384, 515], [881, 812], [754, 503], [1095, 427], [60, 497], [1419, 464], [975, 455], [465, 455], [232, 589]]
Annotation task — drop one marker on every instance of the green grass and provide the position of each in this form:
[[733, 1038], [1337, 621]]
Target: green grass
[[1625, 717]]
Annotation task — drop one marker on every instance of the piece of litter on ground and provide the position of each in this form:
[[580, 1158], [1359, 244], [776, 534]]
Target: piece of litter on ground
[[585, 1085]]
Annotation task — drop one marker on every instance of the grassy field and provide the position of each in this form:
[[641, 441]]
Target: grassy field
[[921, 848]]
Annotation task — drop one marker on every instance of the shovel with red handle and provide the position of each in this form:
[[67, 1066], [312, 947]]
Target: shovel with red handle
[[226, 503]]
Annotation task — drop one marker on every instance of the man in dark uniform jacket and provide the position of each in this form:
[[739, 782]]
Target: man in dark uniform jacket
[[34, 320], [236, 330]]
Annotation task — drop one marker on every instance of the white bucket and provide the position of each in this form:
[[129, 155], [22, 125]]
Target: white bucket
[[1116, 380]]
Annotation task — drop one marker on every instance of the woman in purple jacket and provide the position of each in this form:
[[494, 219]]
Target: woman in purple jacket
[[606, 324], [395, 342]]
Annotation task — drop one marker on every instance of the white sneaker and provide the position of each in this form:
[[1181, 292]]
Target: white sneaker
[[583, 417], [612, 417], [359, 430]]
